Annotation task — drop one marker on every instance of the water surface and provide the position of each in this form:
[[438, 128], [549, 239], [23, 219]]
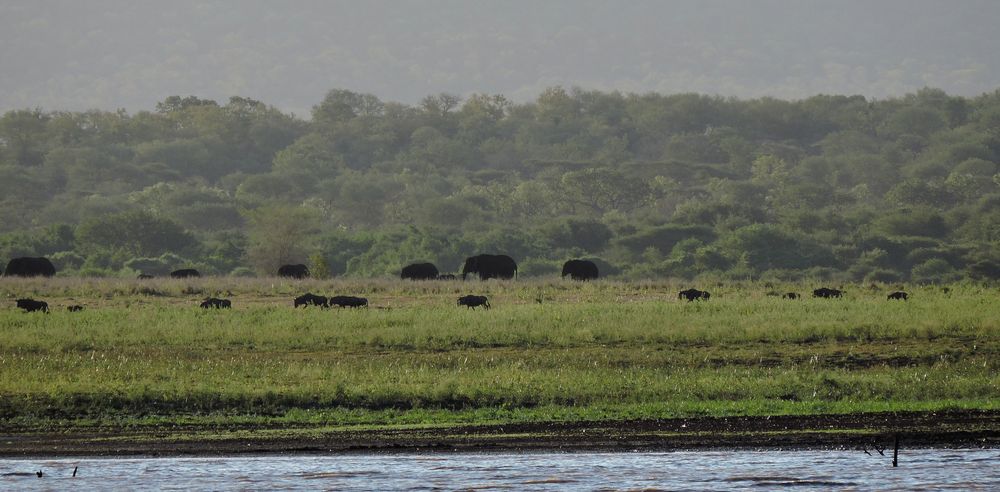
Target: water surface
[[713, 470]]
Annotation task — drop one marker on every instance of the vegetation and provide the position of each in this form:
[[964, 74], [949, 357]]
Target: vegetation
[[650, 185], [143, 354]]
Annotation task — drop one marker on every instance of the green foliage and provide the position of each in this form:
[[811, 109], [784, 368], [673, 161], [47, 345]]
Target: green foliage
[[133, 233], [794, 188]]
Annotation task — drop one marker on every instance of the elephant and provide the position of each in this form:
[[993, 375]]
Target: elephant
[[308, 299], [293, 271], [580, 270], [693, 294], [31, 305], [827, 293], [185, 273], [490, 266], [898, 296], [419, 271], [472, 301], [348, 301], [213, 302], [30, 267]]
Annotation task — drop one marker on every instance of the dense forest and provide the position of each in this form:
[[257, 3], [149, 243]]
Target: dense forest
[[648, 185]]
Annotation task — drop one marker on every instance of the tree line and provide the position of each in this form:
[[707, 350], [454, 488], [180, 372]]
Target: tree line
[[646, 185]]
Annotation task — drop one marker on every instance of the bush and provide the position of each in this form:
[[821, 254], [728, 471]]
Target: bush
[[934, 271]]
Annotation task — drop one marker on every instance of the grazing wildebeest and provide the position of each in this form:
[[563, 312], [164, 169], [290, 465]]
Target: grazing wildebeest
[[185, 273], [74, 308], [308, 299], [419, 271], [472, 301], [30, 267], [216, 303], [348, 301], [490, 266], [580, 270], [144, 276], [30, 305], [446, 276], [790, 295], [898, 296], [827, 293], [692, 294], [293, 271]]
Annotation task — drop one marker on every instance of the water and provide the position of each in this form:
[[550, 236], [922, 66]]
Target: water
[[689, 470]]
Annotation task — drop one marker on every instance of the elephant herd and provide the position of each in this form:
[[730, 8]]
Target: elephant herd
[[494, 266]]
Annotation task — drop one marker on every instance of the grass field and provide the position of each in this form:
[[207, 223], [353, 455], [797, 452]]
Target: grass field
[[142, 353]]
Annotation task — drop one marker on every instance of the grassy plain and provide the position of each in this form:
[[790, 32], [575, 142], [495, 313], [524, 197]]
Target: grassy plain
[[143, 354]]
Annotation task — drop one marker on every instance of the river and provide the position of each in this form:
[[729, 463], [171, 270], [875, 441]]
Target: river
[[925, 469]]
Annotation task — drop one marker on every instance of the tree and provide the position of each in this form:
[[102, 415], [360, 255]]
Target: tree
[[135, 233], [280, 235]]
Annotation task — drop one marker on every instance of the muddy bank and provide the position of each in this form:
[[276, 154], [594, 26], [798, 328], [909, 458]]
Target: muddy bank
[[965, 429]]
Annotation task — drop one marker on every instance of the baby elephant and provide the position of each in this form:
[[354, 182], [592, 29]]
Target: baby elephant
[[898, 296], [212, 302], [472, 302], [31, 305]]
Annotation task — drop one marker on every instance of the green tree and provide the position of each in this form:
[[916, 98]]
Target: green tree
[[280, 235]]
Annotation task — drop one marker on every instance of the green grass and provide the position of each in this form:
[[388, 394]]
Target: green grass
[[143, 354]]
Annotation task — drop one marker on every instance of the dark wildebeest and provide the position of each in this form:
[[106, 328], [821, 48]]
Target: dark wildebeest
[[490, 266], [216, 303], [30, 305], [580, 270], [419, 271], [185, 273], [472, 302], [446, 276], [30, 267], [308, 299], [348, 301], [898, 296], [790, 295], [144, 276], [827, 293], [293, 271], [692, 294], [74, 308]]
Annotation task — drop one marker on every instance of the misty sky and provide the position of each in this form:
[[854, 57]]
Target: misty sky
[[107, 54]]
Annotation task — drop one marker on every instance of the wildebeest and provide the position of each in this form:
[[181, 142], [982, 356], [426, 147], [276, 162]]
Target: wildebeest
[[898, 296], [419, 271], [30, 305], [216, 303], [827, 293], [74, 308], [144, 276], [790, 295], [490, 266], [472, 301], [293, 271], [308, 299], [30, 267], [446, 276], [348, 301], [185, 273], [580, 270], [692, 294]]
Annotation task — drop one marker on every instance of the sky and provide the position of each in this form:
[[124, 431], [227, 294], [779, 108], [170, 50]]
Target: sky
[[110, 54]]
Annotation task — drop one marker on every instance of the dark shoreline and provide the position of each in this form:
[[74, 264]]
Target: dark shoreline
[[950, 429]]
